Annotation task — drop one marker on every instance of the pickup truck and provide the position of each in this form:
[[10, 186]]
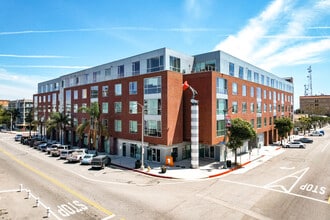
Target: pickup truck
[[76, 156]]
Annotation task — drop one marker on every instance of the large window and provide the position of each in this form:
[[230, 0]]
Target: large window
[[118, 89], [84, 93], [249, 75], [136, 68], [153, 106], [133, 107], [105, 91], [243, 90], [133, 127], [155, 64], [244, 107], [256, 77], [259, 108], [96, 76], [234, 107], [259, 122], [118, 126], [152, 85], [105, 107], [118, 107], [234, 88], [220, 127], [75, 94], [222, 106], [153, 128], [252, 91], [258, 92], [120, 71], [221, 86], [133, 88], [94, 91], [231, 69], [175, 64], [241, 72]]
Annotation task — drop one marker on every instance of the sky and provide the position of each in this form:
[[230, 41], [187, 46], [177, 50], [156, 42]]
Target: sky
[[41, 40]]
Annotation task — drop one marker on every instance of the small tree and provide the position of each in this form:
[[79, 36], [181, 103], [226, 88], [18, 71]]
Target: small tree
[[283, 126], [58, 121], [239, 131]]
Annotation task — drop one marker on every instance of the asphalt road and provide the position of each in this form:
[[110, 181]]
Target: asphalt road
[[293, 185]]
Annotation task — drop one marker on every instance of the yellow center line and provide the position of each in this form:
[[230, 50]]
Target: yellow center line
[[58, 183]]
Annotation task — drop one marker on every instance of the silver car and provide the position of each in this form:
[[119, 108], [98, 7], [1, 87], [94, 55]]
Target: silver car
[[296, 144]]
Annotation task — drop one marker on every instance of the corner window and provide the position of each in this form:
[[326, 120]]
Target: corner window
[[152, 85]]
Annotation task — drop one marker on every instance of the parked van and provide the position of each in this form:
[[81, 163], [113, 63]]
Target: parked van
[[100, 161], [65, 153]]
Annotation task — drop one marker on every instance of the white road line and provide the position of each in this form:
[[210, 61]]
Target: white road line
[[323, 149]]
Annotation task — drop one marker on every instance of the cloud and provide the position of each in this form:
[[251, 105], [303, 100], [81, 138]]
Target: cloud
[[281, 35]]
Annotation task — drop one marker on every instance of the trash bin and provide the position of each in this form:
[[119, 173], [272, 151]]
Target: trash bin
[[228, 162], [137, 164], [163, 169]]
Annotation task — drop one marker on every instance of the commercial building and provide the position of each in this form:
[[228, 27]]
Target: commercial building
[[147, 89], [21, 108], [316, 104]]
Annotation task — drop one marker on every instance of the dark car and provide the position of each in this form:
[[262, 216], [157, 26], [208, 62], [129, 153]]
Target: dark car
[[305, 140]]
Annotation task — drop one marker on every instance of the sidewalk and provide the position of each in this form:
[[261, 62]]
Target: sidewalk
[[207, 168]]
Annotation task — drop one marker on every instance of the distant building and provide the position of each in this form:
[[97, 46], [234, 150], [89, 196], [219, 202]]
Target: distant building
[[317, 105], [4, 103], [226, 86], [23, 106]]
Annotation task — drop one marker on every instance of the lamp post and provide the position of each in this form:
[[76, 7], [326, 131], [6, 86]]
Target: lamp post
[[142, 135], [227, 125], [11, 121]]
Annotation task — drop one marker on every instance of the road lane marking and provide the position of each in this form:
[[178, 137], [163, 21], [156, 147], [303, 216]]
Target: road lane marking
[[58, 183], [323, 149]]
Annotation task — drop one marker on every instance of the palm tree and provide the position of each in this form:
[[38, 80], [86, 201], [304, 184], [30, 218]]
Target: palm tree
[[58, 121], [94, 126]]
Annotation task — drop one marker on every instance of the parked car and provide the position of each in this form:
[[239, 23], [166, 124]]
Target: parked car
[[18, 137], [64, 153], [52, 147], [296, 144], [57, 152], [305, 140], [316, 133], [76, 155], [322, 132], [87, 159], [42, 147], [100, 161]]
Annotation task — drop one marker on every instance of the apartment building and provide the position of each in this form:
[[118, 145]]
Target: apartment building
[[146, 89], [23, 107], [316, 104]]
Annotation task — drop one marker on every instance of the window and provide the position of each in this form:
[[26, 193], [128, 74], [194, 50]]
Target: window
[[221, 86], [265, 121], [120, 71], [252, 123], [270, 95], [105, 91], [107, 72], [96, 76], [265, 94], [175, 64], [265, 107], [133, 107], [249, 75], [94, 91], [84, 93], [118, 125], [153, 106], [220, 127], [133, 88], [270, 108], [231, 69], [118, 89], [262, 79], [259, 122], [258, 92], [105, 107], [243, 90], [133, 127], [118, 107], [152, 85], [241, 72], [252, 107], [259, 110], [136, 68], [234, 107], [153, 128], [256, 77], [252, 91], [234, 88], [244, 107], [75, 94], [75, 108], [270, 120], [155, 64], [105, 123], [222, 106]]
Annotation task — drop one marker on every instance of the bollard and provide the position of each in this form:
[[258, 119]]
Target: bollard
[[48, 212], [20, 187], [29, 194], [37, 202]]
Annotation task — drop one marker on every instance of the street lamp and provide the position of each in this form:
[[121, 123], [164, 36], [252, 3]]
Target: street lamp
[[142, 135], [227, 125]]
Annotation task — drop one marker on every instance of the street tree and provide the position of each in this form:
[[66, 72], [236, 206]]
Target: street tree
[[238, 132], [58, 121], [95, 129], [305, 123], [284, 126]]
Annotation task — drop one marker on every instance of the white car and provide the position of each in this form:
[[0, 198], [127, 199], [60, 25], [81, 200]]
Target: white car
[[87, 159], [296, 144], [76, 155], [316, 133]]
